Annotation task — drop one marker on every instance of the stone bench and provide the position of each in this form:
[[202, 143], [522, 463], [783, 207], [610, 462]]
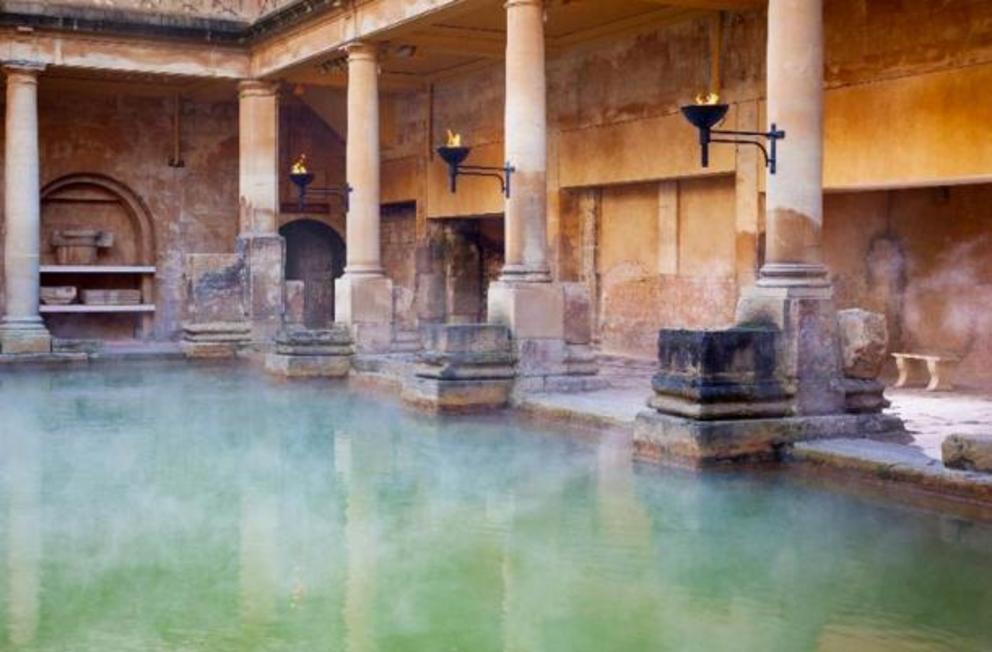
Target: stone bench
[[941, 367]]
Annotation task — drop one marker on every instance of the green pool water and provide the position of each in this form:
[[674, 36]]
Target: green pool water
[[161, 507]]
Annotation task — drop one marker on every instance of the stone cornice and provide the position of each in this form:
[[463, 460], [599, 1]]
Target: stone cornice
[[132, 22]]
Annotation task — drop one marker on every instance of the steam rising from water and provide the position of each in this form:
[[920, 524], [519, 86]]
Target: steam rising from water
[[172, 508]]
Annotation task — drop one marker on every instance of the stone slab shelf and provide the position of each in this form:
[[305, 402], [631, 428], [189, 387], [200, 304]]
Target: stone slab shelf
[[97, 269], [92, 308]]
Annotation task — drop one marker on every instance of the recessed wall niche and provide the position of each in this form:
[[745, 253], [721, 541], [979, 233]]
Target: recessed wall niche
[[115, 278]]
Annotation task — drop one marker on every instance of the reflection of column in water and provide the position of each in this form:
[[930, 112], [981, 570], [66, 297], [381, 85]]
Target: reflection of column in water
[[259, 536], [360, 549], [24, 536], [622, 517]]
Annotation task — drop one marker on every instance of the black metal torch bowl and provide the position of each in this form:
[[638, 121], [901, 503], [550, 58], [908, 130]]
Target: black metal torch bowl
[[454, 156], [705, 116], [301, 179]]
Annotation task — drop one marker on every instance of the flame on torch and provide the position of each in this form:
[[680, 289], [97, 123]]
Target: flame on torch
[[454, 140], [300, 166], [708, 99]]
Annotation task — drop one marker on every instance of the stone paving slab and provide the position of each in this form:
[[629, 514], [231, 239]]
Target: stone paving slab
[[932, 416], [894, 462], [612, 407]]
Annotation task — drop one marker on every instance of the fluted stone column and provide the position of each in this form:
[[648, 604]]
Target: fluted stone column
[[524, 297], [793, 292], [259, 241], [364, 295], [22, 330], [794, 198]]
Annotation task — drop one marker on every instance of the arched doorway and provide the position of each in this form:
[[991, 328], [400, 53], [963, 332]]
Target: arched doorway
[[315, 255]]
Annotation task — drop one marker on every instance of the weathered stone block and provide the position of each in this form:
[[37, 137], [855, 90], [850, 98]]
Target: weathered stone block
[[863, 396], [457, 396], [215, 287], [808, 357], [720, 374], [968, 452], [530, 310], [365, 303], [295, 302], [19, 342], [214, 339], [694, 442], [264, 256], [578, 313], [464, 367], [864, 339], [308, 366]]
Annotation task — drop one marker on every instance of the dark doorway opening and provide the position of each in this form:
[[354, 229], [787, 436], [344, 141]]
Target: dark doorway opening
[[315, 254]]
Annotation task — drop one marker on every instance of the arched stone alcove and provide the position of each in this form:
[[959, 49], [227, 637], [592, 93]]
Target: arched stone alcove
[[96, 202], [93, 201]]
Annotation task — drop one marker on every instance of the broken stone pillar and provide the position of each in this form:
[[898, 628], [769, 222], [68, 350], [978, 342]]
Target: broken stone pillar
[[305, 353], [22, 329], [524, 298], [364, 295], [463, 368], [259, 243], [864, 340]]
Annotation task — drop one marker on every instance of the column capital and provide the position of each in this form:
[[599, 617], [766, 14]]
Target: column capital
[[23, 67], [362, 50], [257, 88]]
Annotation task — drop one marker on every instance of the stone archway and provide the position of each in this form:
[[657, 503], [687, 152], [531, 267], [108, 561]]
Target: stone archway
[[315, 254]]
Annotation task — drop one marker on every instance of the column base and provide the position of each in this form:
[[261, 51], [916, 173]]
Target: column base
[[264, 257], [808, 358], [691, 442], [521, 274], [24, 336], [809, 275], [365, 303], [530, 310]]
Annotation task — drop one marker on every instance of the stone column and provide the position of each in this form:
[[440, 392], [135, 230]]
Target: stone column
[[794, 197], [259, 243], [524, 297], [22, 330], [526, 142], [363, 295], [793, 292]]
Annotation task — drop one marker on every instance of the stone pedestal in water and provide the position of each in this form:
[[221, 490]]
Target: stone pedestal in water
[[720, 396], [305, 353], [463, 368]]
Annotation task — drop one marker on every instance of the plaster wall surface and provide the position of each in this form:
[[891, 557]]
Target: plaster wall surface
[[923, 257]]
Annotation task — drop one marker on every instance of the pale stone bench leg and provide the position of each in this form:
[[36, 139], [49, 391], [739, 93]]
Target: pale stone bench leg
[[902, 364], [940, 375]]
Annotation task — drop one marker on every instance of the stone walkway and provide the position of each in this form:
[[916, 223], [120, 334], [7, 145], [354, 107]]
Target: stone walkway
[[932, 416]]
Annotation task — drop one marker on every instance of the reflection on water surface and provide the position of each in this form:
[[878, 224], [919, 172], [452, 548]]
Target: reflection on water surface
[[184, 508]]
